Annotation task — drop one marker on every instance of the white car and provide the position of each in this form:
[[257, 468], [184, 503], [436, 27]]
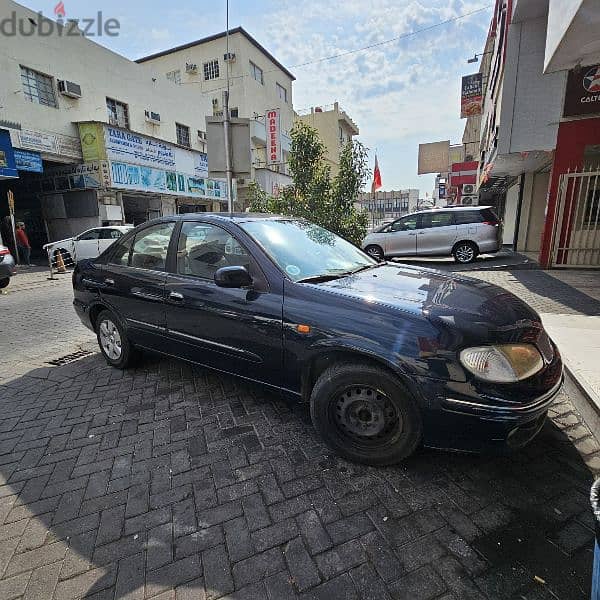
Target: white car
[[89, 244]]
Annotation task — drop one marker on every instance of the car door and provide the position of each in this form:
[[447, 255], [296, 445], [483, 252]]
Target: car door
[[231, 329], [87, 244], [107, 238], [437, 233], [133, 283], [401, 240]]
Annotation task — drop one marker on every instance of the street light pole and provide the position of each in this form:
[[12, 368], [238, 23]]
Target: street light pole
[[227, 123]]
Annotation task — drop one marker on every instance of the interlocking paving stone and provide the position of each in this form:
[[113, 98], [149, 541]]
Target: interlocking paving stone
[[172, 482]]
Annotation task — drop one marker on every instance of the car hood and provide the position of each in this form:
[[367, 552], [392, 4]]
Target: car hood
[[437, 296], [71, 239]]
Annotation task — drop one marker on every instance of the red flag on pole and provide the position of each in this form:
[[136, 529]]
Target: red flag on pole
[[376, 177]]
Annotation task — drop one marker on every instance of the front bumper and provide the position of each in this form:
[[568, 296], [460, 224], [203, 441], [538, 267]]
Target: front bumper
[[469, 425], [8, 267]]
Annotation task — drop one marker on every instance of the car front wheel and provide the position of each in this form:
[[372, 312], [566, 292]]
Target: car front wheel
[[365, 414], [375, 252], [4, 282], [113, 342]]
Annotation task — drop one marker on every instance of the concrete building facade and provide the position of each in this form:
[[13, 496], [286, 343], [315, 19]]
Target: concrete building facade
[[335, 127], [97, 140], [258, 83]]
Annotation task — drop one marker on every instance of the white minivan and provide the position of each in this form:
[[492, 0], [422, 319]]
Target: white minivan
[[462, 232]]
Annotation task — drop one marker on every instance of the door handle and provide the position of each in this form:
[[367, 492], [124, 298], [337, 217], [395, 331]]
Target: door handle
[[176, 298], [109, 281], [420, 233], [412, 234]]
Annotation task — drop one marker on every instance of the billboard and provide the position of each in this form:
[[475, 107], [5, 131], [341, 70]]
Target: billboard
[[434, 157], [471, 95], [272, 122]]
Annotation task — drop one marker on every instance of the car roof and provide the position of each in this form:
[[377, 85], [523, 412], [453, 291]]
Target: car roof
[[444, 209]]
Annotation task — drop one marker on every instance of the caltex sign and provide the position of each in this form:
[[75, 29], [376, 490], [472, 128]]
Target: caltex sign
[[273, 137], [582, 96]]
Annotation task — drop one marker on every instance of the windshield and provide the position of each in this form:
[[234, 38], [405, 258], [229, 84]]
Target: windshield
[[304, 250]]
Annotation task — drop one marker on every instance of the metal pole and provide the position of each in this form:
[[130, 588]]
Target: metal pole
[[11, 210], [227, 123]]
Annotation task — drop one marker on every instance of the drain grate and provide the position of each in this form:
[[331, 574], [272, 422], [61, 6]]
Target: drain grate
[[69, 358]]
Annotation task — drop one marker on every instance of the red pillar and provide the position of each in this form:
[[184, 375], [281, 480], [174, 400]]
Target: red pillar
[[573, 137]]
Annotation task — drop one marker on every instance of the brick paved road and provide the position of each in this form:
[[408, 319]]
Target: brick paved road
[[175, 483]]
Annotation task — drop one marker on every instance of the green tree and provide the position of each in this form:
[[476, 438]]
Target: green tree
[[314, 195]]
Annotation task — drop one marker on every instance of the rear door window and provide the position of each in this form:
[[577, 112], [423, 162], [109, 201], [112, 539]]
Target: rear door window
[[465, 217], [151, 246], [436, 219]]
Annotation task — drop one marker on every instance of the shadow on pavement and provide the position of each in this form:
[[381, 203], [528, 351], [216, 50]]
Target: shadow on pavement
[[176, 478]]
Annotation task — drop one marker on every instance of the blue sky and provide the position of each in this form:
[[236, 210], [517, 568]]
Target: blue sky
[[399, 94]]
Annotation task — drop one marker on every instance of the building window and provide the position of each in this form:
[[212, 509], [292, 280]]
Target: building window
[[211, 69], [174, 76], [38, 87], [118, 114], [183, 135], [256, 72], [281, 92], [234, 113]]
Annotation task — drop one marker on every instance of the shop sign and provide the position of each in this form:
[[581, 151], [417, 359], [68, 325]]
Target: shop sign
[[84, 176], [582, 96], [150, 179], [28, 161], [471, 97], [126, 146], [7, 156], [273, 137], [201, 163], [92, 141], [46, 142]]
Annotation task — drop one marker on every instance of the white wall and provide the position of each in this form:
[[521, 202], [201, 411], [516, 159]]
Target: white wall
[[246, 94], [510, 214], [100, 73], [531, 100]]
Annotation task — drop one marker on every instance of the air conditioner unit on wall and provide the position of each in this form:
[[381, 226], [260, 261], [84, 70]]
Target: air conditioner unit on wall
[[70, 89], [470, 200], [468, 189], [201, 134], [191, 68], [229, 57], [152, 117]]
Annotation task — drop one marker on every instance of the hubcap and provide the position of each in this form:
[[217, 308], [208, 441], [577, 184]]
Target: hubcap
[[367, 415], [374, 252], [110, 339], [465, 253]]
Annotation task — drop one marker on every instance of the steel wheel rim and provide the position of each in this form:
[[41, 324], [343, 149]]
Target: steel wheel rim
[[465, 253], [110, 339], [366, 417]]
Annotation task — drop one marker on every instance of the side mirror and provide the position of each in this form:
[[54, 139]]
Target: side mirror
[[233, 277]]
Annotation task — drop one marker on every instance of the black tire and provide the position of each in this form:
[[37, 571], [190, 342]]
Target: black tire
[[112, 335], [4, 282], [376, 252], [465, 252], [365, 414]]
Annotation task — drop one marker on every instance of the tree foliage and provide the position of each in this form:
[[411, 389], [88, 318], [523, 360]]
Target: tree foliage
[[314, 194]]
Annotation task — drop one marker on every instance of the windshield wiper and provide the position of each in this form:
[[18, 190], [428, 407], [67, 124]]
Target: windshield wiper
[[331, 276]]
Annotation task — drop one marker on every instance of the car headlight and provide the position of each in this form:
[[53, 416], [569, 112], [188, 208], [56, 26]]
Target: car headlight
[[502, 363]]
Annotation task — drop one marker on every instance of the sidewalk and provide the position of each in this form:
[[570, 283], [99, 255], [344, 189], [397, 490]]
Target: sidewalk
[[569, 305]]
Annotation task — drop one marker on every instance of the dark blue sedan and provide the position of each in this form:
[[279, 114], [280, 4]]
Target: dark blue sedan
[[389, 356]]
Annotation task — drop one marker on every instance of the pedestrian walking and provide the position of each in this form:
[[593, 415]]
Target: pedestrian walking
[[23, 245]]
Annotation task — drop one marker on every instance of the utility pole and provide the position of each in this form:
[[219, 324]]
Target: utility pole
[[227, 123], [11, 210]]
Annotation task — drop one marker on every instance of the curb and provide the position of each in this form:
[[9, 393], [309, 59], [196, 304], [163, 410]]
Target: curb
[[584, 399]]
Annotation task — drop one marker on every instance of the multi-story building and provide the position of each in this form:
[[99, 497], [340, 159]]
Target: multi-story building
[[387, 206], [258, 82], [335, 128], [540, 128], [89, 137]]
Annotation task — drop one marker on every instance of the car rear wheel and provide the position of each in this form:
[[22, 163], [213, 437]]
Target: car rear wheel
[[375, 252], [4, 282], [465, 252], [365, 414], [113, 342]]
